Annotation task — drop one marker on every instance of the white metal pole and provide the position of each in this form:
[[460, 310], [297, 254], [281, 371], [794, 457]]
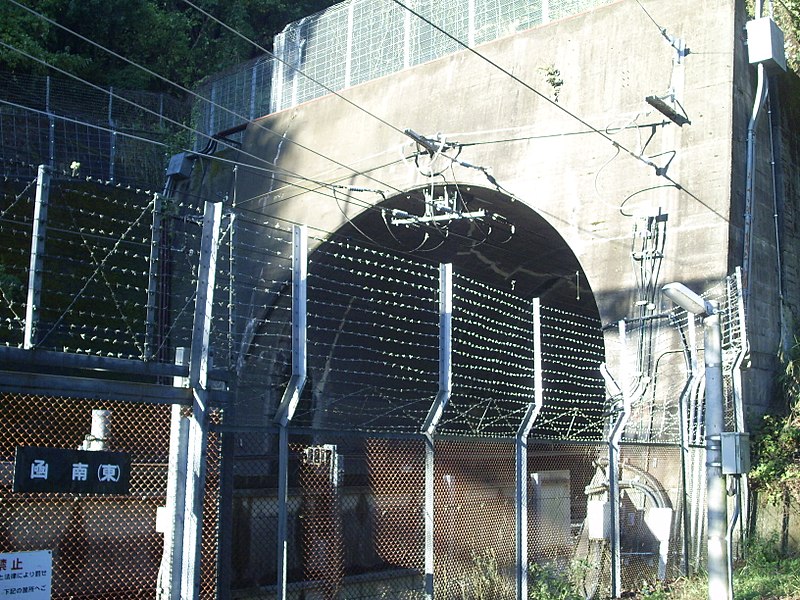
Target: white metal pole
[[522, 455], [717, 494], [291, 395], [198, 425], [38, 237]]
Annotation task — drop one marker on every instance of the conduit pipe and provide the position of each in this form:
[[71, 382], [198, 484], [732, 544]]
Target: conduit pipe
[[762, 90]]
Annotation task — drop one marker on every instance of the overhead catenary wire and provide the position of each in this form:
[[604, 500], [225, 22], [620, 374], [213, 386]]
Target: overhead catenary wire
[[321, 185], [152, 73], [276, 168], [210, 138], [195, 94], [558, 106], [294, 68], [349, 199], [132, 136]]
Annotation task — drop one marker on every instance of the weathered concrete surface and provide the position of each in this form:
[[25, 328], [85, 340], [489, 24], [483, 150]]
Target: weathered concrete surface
[[588, 184]]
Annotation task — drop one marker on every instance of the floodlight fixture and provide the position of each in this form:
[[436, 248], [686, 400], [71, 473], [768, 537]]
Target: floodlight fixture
[[688, 300], [719, 568]]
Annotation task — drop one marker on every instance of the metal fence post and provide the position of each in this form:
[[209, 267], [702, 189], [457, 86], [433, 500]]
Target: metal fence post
[[112, 151], [718, 584], [291, 395], [198, 424], [253, 92], [169, 576], [614, 439], [51, 122], [348, 56], [435, 412], [37, 256], [151, 341], [522, 455], [429, 515]]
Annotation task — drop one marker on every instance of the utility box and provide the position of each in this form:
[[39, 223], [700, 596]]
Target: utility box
[[735, 453], [765, 44], [180, 166], [598, 519]]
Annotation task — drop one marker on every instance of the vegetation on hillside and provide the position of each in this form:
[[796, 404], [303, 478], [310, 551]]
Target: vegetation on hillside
[[176, 40], [169, 37], [776, 468]]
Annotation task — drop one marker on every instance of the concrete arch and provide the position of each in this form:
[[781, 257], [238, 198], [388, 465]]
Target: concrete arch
[[513, 248]]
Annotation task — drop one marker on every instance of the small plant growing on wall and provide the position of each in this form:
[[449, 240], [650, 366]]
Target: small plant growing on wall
[[553, 78]]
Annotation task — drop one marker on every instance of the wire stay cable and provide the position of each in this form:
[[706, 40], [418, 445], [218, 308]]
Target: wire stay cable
[[659, 172]]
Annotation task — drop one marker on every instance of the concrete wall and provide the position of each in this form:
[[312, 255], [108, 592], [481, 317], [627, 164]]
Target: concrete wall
[[608, 61], [589, 71]]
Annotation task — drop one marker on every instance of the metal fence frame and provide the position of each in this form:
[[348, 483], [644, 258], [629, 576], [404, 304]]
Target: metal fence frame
[[356, 41], [208, 528]]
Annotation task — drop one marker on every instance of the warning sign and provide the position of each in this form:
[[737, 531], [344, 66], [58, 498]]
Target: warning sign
[[26, 575]]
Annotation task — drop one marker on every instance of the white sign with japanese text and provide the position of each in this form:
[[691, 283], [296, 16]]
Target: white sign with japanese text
[[26, 575]]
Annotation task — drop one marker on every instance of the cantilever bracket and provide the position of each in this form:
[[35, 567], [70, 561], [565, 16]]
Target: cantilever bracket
[[669, 110]]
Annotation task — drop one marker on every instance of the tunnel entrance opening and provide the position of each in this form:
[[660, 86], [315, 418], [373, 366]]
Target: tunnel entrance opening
[[374, 331], [511, 248]]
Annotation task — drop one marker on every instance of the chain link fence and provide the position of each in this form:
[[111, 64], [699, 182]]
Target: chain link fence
[[357, 518], [357, 41], [102, 283], [103, 546], [373, 508], [112, 134]]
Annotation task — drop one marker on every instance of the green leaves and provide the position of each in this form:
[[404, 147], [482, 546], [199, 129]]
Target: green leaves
[[168, 37], [776, 470]]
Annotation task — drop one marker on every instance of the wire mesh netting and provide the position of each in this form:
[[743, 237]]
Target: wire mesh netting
[[356, 509], [356, 518], [493, 362], [108, 133], [574, 394], [358, 41], [95, 267], [103, 546], [474, 520], [353, 517], [372, 339]]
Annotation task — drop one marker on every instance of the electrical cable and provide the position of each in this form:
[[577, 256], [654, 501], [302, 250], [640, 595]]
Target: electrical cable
[[663, 30], [483, 169], [210, 138], [304, 189], [300, 72], [190, 92], [132, 136], [289, 173], [558, 106], [647, 189]]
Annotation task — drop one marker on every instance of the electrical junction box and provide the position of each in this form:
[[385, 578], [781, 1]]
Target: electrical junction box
[[765, 44], [598, 519], [735, 453], [180, 166]]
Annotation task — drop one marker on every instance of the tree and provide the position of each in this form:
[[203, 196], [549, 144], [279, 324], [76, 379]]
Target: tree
[[169, 37]]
